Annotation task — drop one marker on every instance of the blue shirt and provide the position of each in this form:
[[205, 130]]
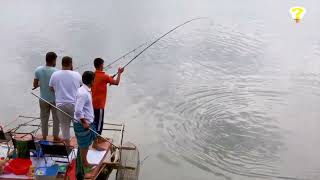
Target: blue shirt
[[83, 106], [43, 74]]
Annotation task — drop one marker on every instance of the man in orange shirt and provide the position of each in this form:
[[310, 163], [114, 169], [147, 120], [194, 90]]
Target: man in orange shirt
[[99, 91]]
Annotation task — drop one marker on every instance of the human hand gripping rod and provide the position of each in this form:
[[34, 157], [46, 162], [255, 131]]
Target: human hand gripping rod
[[71, 117]]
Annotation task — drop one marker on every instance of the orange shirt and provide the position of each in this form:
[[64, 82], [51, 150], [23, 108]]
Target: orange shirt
[[99, 89]]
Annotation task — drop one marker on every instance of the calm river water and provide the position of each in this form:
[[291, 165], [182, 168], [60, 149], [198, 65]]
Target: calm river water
[[236, 97]]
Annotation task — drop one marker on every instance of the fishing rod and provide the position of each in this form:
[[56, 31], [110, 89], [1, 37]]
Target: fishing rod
[[119, 58], [158, 39], [71, 117], [28, 117]]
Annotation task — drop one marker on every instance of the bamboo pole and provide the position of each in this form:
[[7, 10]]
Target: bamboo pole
[[36, 125], [121, 141], [29, 117]]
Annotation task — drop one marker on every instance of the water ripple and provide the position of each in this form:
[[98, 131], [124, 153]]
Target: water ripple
[[228, 130], [226, 109]]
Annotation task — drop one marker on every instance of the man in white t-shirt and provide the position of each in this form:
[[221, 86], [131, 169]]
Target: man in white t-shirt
[[65, 84]]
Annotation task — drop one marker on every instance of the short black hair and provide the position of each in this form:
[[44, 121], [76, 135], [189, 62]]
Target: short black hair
[[66, 61], [97, 62], [87, 77], [50, 57]]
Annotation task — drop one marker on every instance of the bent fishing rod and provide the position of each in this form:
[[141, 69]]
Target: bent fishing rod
[[40, 98], [119, 58], [141, 45], [123, 56], [158, 39]]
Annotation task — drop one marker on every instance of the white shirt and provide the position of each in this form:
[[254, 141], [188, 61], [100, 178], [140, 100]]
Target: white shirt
[[65, 84], [83, 106]]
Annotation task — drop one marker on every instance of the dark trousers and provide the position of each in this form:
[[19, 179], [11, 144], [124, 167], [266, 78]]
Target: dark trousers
[[98, 119]]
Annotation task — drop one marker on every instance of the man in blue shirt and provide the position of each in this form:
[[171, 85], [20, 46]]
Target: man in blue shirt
[[41, 79]]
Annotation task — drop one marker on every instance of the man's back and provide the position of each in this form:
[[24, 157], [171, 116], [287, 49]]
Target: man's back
[[65, 84], [43, 74], [99, 89]]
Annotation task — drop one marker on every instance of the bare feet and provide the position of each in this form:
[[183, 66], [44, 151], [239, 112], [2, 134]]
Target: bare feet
[[88, 169], [98, 145], [101, 139], [87, 165], [56, 138], [67, 141], [89, 172]]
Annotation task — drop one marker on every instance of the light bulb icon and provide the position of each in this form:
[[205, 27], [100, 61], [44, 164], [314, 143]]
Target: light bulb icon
[[297, 13]]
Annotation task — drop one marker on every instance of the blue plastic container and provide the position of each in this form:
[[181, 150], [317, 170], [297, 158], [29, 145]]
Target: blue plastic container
[[46, 173]]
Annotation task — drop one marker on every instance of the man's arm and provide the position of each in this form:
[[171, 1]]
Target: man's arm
[[52, 89], [117, 81], [78, 113], [52, 82], [36, 79], [35, 83], [85, 123], [80, 79]]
